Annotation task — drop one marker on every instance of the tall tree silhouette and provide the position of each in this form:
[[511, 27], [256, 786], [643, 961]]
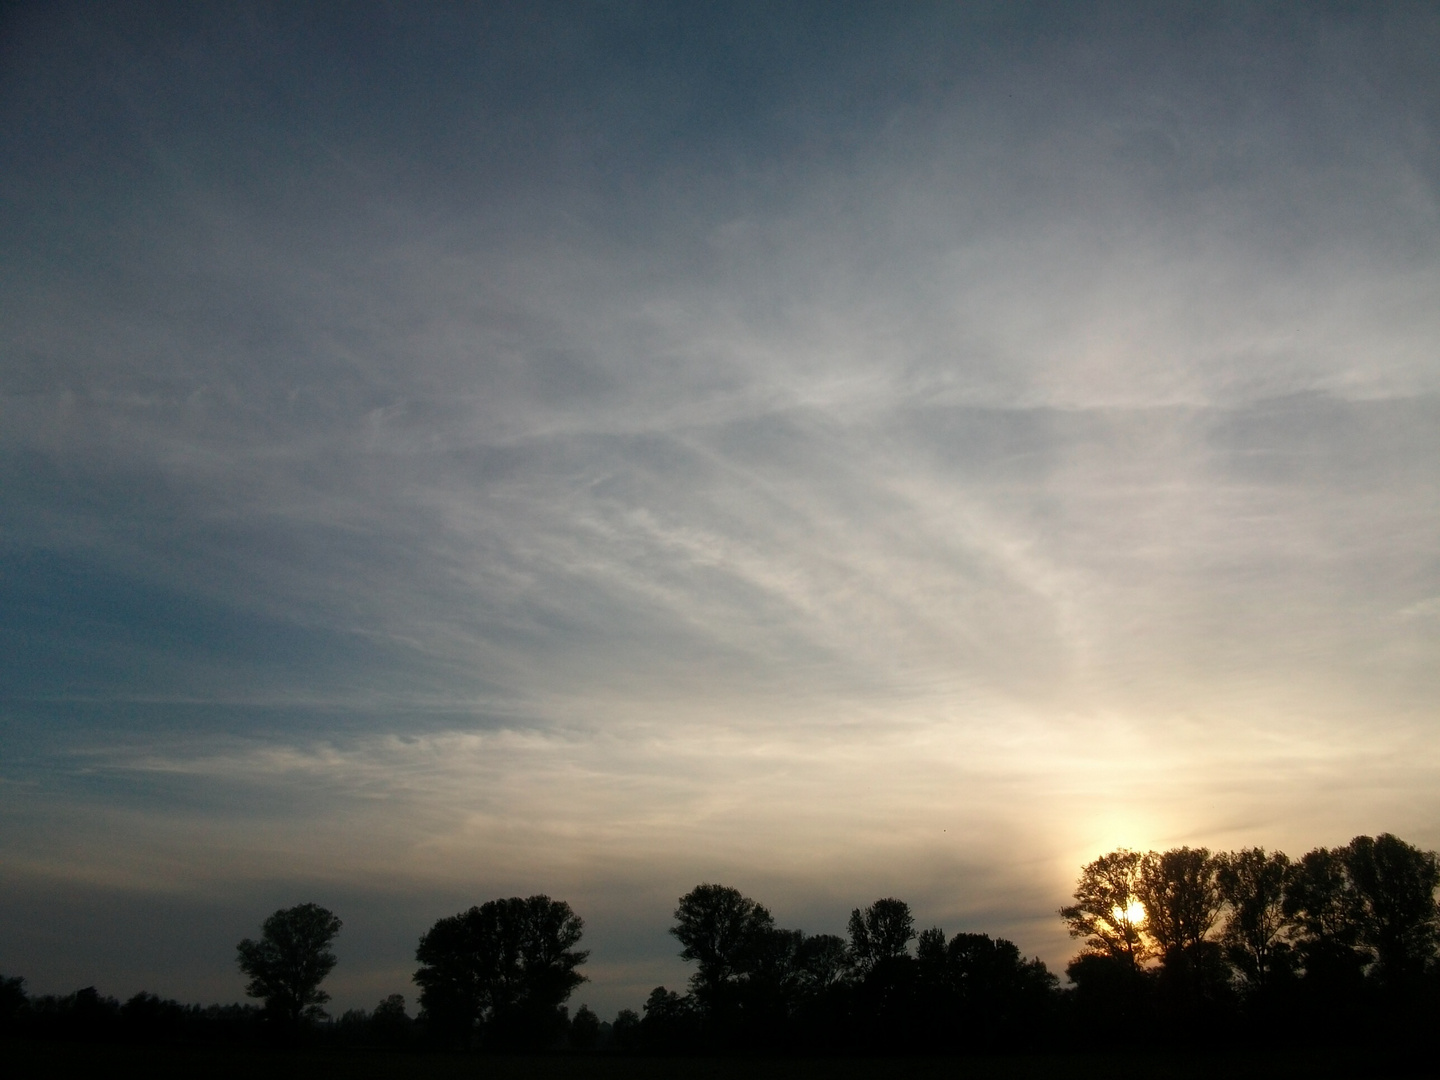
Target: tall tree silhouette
[[506, 966], [881, 932], [1252, 884], [723, 932], [1181, 894], [1321, 900], [976, 992], [290, 961], [585, 1029], [671, 1023], [884, 998], [823, 961], [1105, 910], [1394, 887]]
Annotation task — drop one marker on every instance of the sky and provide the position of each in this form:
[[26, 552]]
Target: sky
[[837, 450]]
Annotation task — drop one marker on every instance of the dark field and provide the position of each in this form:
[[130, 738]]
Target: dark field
[[39, 1060]]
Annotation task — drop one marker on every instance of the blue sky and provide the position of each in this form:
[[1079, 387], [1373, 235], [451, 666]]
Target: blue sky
[[462, 451]]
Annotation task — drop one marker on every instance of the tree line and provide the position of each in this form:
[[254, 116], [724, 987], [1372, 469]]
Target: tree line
[[1183, 948], [1341, 939]]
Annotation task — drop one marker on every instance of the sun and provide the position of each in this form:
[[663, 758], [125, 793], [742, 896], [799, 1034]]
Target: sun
[[1134, 914]]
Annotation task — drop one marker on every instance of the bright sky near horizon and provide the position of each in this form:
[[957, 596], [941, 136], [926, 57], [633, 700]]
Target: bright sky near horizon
[[839, 450]]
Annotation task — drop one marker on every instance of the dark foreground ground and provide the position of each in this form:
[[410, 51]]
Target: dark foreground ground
[[39, 1060]]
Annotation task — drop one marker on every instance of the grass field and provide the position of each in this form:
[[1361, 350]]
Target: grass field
[[40, 1060]]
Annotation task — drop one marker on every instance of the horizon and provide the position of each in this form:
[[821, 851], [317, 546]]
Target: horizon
[[457, 453], [1087, 943]]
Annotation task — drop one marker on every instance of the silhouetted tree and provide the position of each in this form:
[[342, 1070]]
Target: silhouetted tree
[[671, 1023], [978, 992], [880, 933], [884, 997], [930, 956], [1104, 910], [461, 957], [821, 1007], [768, 994], [507, 965], [352, 1028], [390, 1025], [723, 932], [823, 961], [12, 1000], [625, 1031], [1322, 902], [1394, 887], [290, 961], [1252, 884], [585, 1029], [1181, 895], [1111, 986]]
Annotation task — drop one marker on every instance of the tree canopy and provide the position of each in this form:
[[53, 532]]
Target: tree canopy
[[1394, 887], [502, 970], [723, 932], [1105, 911], [1328, 936], [290, 960], [881, 932], [1252, 886], [1181, 897]]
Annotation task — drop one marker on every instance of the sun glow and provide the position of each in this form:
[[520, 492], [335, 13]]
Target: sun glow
[[1134, 914]]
